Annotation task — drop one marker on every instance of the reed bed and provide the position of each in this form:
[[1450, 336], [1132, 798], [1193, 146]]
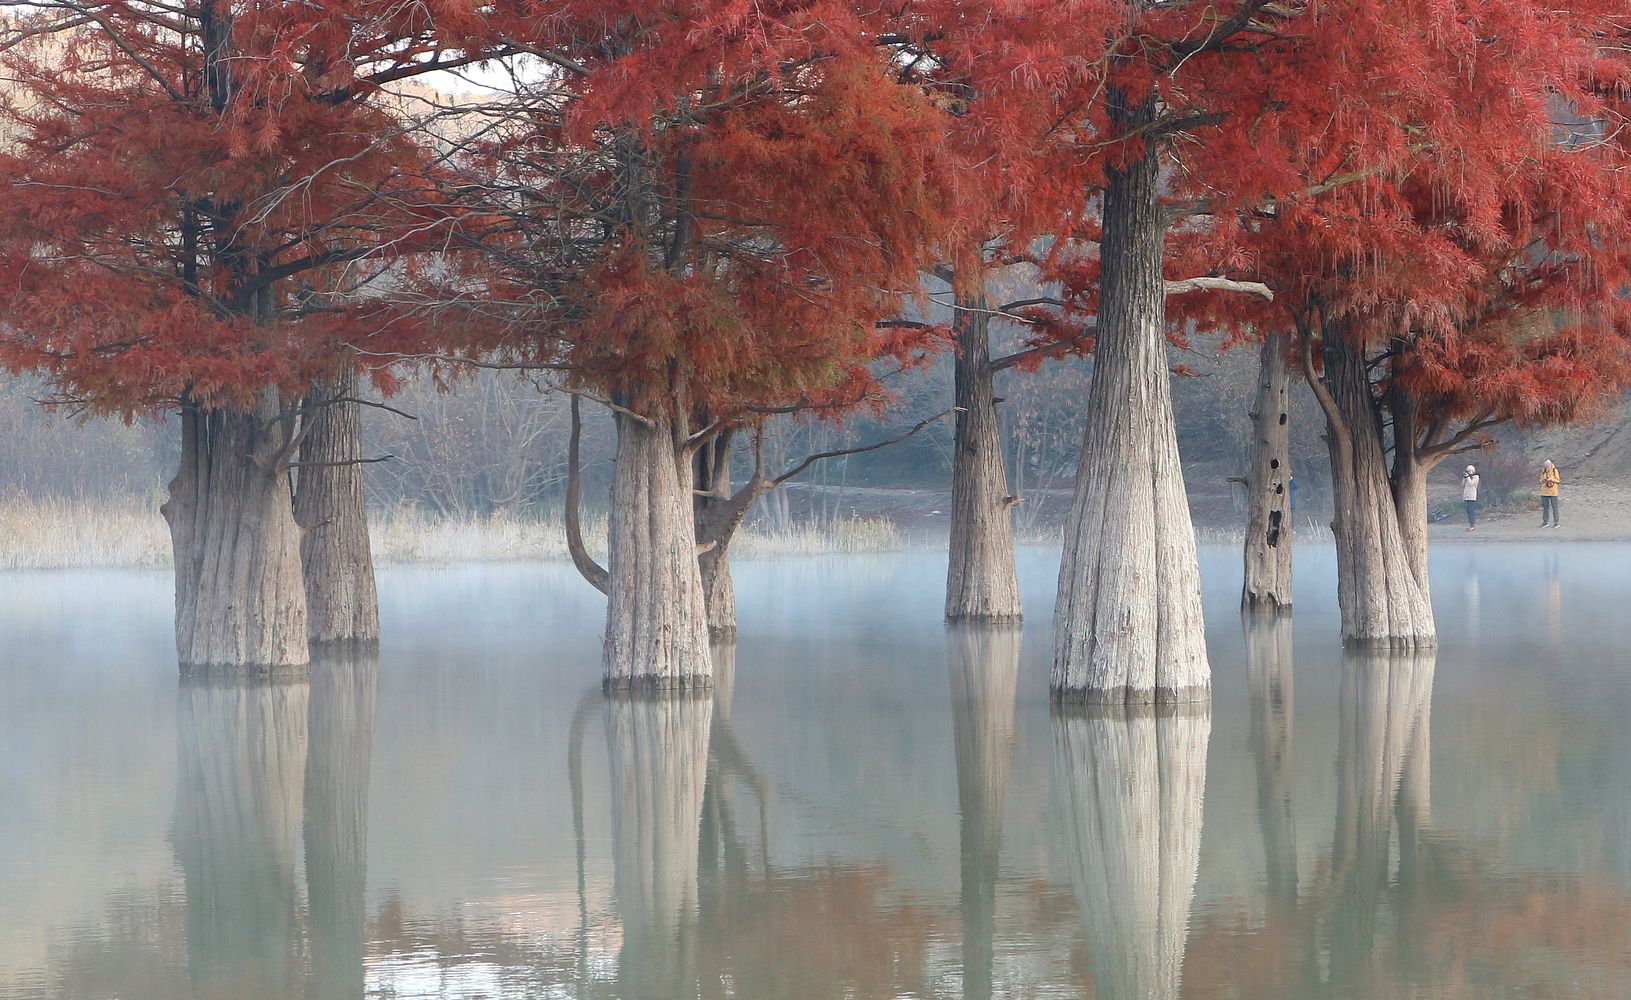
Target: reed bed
[[129, 532]]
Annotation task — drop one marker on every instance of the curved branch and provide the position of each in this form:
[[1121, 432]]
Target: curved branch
[[1322, 392], [592, 571]]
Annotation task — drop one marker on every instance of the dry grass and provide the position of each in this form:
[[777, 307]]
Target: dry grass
[[65, 534], [129, 532]]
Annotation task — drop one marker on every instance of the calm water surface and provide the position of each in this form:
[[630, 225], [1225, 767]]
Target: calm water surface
[[869, 805]]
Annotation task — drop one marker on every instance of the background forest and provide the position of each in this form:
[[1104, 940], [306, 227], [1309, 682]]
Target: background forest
[[489, 452]]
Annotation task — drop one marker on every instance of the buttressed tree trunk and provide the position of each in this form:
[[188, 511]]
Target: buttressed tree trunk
[[1132, 783], [1268, 486], [241, 748], [1127, 626], [330, 506], [1382, 598], [1269, 678], [656, 615], [341, 745], [984, 664], [981, 582], [240, 596], [659, 761]]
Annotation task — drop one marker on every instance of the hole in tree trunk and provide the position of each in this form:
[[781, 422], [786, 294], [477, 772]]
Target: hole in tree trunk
[[1274, 527]]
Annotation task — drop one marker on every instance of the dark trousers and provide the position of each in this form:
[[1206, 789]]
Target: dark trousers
[[1548, 509], [1472, 512]]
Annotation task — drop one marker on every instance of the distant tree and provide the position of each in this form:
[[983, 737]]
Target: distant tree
[[182, 179]]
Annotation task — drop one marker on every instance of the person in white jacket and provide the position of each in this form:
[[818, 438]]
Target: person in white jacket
[[1469, 496]]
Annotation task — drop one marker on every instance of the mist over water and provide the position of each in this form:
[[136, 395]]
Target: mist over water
[[870, 804]]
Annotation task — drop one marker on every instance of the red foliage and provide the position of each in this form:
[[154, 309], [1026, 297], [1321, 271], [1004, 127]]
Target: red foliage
[[706, 206], [1446, 195], [191, 189], [1404, 163]]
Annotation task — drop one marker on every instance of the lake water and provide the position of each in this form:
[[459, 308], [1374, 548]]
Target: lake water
[[868, 806]]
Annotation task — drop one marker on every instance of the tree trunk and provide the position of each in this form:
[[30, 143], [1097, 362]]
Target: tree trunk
[[715, 523], [659, 760], [1132, 784], [341, 603], [984, 664], [656, 616], [1410, 469], [241, 749], [1268, 487], [1127, 625], [240, 597], [981, 582], [1269, 678], [1381, 598], [336, 831]]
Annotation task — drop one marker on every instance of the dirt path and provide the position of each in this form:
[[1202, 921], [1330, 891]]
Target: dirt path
[[1591, 512]]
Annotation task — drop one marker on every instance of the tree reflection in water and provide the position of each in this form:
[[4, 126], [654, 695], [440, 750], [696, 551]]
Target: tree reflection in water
[[983, 662], [242, 759], [1131, 781], [341, 726]]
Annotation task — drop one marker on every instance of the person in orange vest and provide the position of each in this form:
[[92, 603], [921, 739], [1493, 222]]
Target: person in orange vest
[[1550, 480]]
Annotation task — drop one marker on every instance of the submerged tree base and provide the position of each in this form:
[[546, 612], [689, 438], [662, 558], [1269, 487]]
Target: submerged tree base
[[1174, 698], [648, 686], [1402, 643]]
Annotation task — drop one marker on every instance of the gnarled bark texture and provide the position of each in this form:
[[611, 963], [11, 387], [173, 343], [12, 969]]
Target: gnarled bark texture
[[1127, 628], [241, 748], [1385, 703], [984, 664], [240, 596], [1269, 679], [1132, 782], [656, 615], [981, 582], [1267, 586], [1383, 599], [659, 759], [341, 749], [341, 602]]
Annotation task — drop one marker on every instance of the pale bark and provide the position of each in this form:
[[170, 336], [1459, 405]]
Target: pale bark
[[1409, 479], [981, 581], [656, 616], [242, 757], [330, 506], [1270, 681], [1385, 702], [1132, 783], [984, 666], [1267, 585], [240, 595], [1383, 601], [718, 515], [659, 759], [336, 829], [1128, 627]]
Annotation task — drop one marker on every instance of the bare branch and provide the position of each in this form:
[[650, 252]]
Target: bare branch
[[341, 462], [810, 460], [1209, 283]]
